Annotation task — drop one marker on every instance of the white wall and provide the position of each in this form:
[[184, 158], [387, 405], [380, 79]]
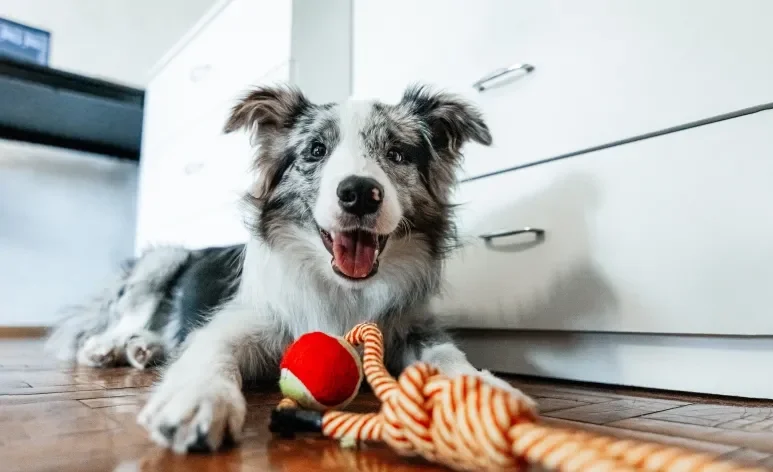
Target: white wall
[[322, 26], [67, 220], [118, 40]]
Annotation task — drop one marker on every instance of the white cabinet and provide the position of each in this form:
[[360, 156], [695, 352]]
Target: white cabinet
[[605, 70], [191, 174], [201, 170], [656, 254], [192, 186], [220, 225], [666, 235], [219, 61]]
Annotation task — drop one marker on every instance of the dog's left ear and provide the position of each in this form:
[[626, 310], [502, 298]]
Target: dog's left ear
[[272, 107], [452, 120], [271, 110]]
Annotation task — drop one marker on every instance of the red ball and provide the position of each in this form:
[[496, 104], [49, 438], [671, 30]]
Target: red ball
[[320, 371]]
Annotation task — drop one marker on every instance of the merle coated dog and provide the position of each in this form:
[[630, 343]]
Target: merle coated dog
[[350, 221]]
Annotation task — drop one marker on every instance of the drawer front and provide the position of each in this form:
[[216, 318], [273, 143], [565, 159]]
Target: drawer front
[[203, 170], [220, 225], [228, 55], [200, 169], [605, 70], [202, 157], [667, 235], [214, 175]]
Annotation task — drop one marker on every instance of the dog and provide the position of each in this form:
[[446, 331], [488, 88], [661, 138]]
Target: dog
[[350, 221]]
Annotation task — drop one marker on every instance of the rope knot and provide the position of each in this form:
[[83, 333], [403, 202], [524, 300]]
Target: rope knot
[[462, 422]]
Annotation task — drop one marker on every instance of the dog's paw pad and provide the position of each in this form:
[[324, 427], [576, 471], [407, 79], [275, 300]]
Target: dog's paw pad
[[201, 444], [142, 354], [168, 431], [96, 354]]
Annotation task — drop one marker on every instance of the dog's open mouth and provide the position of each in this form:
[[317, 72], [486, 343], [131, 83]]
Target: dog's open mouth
[[355, 253]]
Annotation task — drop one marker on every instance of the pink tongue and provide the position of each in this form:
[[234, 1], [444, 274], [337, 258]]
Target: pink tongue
[[354, 253]]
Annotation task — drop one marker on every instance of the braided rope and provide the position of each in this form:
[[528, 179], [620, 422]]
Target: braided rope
[[369, 336], [467, 424]]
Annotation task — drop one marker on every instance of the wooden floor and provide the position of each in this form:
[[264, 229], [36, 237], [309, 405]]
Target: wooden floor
[[61, 418]]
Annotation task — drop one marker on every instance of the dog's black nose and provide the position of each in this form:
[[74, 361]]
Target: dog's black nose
[[360, 195]]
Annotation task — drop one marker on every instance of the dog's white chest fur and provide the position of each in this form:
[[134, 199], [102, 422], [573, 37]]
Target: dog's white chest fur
[[292, 289]]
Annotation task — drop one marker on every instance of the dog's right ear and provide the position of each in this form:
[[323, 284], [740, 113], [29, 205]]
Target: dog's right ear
[[267, 107]]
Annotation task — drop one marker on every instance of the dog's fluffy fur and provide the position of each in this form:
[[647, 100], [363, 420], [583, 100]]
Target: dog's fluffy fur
[[222, 316]]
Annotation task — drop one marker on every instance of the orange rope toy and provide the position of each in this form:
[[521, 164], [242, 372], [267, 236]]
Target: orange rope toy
[[466, 424]]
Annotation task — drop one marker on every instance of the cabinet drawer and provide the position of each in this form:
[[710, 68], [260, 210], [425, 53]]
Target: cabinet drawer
[[202, 155], [229, 54], [198, 169], [214, 174], [605, 70], [667, 235], [220, 225]]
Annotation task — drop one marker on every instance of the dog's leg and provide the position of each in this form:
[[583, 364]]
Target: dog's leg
[[432, 345], [101, 350], [144, 349], [109, 347], [451, 361], [199, 402]]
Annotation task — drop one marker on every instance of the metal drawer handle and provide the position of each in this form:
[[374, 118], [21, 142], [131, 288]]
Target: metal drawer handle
[[200, 73], [193, 167], [539, 233], [481, 84]]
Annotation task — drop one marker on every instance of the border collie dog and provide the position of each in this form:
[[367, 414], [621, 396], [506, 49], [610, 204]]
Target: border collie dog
[[349, 221]]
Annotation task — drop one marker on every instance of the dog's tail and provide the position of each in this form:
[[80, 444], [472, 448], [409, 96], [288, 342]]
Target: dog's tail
[[139, 280]]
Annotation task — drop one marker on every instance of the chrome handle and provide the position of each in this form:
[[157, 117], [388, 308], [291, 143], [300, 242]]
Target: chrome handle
[[481, 84], [193, 167], [539, 233], [200, 73]]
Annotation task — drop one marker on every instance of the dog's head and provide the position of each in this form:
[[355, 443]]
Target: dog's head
[[354, 184]]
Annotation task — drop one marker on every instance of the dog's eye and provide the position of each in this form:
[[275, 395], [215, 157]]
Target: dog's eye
[[318, 149], [395, 156]]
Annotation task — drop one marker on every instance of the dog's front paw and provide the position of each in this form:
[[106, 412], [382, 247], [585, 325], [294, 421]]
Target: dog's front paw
[[99, 351], [525, 400], [143, 351], [194, 415]]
